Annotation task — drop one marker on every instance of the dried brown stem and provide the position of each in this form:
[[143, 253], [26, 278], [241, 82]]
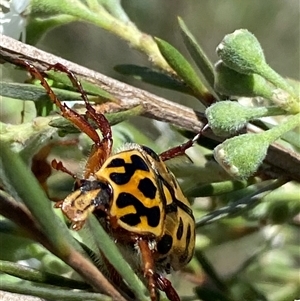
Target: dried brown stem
[[283, 161], [20, 215], [154, 106]]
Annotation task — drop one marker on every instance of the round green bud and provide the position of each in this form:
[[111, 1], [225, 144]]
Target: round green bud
[[225, 118], [242, 155], [242, 52]]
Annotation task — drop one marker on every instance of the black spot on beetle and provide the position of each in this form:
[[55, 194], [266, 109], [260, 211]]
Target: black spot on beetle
[[87, 185], [165, 244], [147, 188], [117, 162], [179, 232], [188, 235], [151, 153], [185, 208], [171, 208], [152, 214], [131, 219], [176, 203], [137, 163], [185, 254]]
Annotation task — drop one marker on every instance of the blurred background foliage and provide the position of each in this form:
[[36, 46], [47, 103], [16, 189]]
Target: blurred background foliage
[[275, 24], [253, 256]]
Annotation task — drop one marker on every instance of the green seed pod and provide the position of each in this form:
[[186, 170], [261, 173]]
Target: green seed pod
[[226, 118], [242, 52], [242, 155]]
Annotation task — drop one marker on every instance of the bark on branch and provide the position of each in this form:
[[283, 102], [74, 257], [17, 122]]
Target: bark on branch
[[282, 161]]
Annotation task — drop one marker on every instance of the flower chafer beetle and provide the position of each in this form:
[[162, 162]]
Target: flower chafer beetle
[[141, 200]]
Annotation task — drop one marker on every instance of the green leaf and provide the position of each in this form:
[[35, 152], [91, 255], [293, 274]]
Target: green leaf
[[198, 55], [184, 70], [211, 294], [245, 199], [110, 250], [23, 185], [35, 143], [113, 118], [217, 188], [49, 292], [153, 77], [26, 273], [37, 28], [38, 94], [19, 181], [88, 87], [35, 92], [27, 138]]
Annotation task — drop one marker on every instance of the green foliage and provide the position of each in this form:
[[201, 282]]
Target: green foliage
[[154, 77], [199, 56], [183, 68]]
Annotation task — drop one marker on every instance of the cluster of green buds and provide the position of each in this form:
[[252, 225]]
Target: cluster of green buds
[[243, 72]]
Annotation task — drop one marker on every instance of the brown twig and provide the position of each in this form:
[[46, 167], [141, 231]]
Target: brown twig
[[21, 216], [283, 161], [154, 106]]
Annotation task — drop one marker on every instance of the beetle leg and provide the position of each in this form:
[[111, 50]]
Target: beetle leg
[[148, 267], [66, 112], [180, 149], [102, 148], [58, 165], [166, 286]]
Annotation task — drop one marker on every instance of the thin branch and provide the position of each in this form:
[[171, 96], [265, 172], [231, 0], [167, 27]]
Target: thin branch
[[154, 106], [19, 214], [283, 161]]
